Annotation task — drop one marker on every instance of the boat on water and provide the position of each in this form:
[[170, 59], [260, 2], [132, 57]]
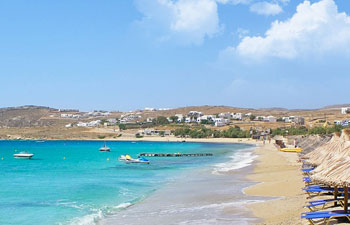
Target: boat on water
[[129, 159], [105, 148], [23, 155]]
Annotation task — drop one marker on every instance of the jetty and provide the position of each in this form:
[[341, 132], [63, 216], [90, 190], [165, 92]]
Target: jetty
[[175, 154]]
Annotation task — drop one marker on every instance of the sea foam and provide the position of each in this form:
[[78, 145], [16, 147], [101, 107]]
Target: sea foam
[[237, 161]]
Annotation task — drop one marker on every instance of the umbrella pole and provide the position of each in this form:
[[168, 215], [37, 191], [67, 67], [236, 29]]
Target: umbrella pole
[[346, 197], [335, 196]]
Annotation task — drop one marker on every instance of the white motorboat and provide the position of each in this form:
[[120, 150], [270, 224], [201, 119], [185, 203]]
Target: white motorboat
[[129, 159], [23, 155], [105, 148]]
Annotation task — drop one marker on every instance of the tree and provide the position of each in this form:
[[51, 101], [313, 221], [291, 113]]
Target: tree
[[174, 119], [252, 117], [161, 120], [122, 126]]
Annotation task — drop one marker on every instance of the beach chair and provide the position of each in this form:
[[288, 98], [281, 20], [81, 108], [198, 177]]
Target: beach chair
[[312, 204], [317, 190], [327, 216], [306, 171], [308, 181]]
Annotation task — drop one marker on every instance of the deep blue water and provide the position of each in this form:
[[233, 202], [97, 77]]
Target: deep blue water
[[71, 182]]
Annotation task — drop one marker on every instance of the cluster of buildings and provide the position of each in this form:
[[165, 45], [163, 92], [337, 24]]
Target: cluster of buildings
[[149, 109], [76, 115], [153, 132], [294, 119], [225, 118], [343, 123], [129, 117]]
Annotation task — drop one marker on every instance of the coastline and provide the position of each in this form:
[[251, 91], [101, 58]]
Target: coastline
[[209, 195], [155, 139], [151, 139], [278, 177]]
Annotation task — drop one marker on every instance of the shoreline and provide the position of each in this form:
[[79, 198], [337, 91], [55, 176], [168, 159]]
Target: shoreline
[[199, 196], [156, 139], [278, 178]]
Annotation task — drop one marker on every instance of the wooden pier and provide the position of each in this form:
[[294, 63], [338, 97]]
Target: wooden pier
[[175, 154]]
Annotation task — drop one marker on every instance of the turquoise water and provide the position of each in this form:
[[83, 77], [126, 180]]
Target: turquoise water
[[86, 186]]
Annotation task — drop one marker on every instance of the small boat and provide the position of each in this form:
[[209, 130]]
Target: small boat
[[291, 150], [129, 159], [23, 155], [105, 148]]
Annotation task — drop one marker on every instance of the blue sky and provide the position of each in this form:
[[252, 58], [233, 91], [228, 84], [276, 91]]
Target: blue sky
[[125, 55]]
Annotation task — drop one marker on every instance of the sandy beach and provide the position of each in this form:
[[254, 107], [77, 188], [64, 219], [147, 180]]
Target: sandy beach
[[279, 176]]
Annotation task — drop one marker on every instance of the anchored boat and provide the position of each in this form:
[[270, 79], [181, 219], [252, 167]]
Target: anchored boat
[[129, 159], [23, 155], [105, 148]]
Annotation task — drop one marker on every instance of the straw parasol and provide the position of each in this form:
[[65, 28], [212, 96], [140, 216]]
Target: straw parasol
[[334, 169], [337, 147]]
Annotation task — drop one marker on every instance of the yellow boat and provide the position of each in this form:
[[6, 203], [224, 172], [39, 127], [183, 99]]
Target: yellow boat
[[291, 149]]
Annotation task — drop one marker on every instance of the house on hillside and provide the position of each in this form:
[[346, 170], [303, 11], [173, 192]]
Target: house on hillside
[[194, 114], [236, 116], [270, 119], [345, 110], [225, 115], [149, 119], [179, 117], [219, 122]]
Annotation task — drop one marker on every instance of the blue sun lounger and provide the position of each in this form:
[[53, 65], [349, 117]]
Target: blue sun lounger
[[312, 204], [306, 170], [327, 216], [317, 189]]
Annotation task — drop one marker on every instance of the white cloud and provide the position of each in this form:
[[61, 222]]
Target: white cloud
[[187, 21], [235, 2], [314, 29], [266, 8]]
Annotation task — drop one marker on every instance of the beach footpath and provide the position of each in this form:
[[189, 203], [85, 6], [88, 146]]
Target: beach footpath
[[278, 174]]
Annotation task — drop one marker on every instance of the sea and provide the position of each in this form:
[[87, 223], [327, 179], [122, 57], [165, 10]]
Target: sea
[[72, 183]]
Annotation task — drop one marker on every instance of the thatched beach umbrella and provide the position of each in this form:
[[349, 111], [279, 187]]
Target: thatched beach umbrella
[[337, 175], [334, 169], [337, 147], [322, 148]]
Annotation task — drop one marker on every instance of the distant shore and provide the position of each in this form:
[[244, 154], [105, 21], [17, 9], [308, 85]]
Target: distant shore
[[155, 139]]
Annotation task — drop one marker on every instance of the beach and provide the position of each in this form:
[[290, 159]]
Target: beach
[[279, 176]]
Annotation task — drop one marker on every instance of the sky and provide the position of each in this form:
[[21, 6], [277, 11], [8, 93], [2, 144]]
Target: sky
[[130, 54]]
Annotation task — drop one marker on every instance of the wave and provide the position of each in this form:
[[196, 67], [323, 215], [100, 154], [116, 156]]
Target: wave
[[209, 206], [239, 160], [96, 215]]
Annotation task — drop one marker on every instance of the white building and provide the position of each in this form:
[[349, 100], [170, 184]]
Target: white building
[[150, 109], [164, 109], [345, 110], [149, 119], [271, 119], [82, 124], [188, 120], [195, 114], [236, 116], [219, 122], [179, 117], [225, 115]]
